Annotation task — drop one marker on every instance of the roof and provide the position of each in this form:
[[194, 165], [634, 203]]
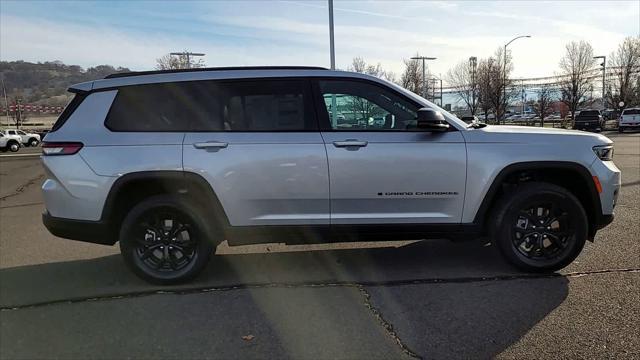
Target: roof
[[172, 71]]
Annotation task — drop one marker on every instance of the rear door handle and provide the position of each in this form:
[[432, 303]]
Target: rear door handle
[[350, 143], [210, 145]]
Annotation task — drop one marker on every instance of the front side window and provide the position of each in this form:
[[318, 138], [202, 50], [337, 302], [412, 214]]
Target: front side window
[[20, 132], [360, 106]]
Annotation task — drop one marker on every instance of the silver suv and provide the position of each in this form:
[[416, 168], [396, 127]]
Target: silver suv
[[170, 163]]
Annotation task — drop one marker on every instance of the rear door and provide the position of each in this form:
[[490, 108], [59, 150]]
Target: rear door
[[387, 172], [257, 143]]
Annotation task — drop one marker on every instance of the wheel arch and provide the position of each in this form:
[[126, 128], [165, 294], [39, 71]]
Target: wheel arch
[[561, 173], [131, 188]]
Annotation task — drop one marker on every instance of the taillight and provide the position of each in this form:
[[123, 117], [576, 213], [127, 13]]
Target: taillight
[[60, 148]]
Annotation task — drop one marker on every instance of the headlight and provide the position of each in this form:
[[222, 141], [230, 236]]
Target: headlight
[[604, 152]]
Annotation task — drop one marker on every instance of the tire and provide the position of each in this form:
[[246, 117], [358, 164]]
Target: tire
[[156, 250], [33, 142], [620, 130], [558, 236], [13, 146]]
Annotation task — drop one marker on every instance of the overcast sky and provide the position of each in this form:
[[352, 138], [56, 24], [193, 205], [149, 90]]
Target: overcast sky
[[133, 34]]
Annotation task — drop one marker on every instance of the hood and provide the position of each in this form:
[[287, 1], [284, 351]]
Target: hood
[[530, 134]]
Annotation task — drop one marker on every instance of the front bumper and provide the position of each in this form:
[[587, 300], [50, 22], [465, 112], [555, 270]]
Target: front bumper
[[96, 232]]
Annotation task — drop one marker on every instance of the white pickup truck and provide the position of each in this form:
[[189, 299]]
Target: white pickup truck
[[9, 142], [26, 139]]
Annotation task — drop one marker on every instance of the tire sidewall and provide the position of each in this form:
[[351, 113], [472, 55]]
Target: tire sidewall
[[13, 147], [507, 215], [33, 142], [204, 247]]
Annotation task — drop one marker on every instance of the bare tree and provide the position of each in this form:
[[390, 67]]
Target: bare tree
[[360, 66], [463, 80], [411, 78], [170, 62], [575, 66], [625, 62], [544, 105], [484, 85]]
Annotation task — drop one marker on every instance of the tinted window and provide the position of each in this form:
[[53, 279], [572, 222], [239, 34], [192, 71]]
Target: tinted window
[[357, 105], [631, 112], [261, 105], [590, 112]]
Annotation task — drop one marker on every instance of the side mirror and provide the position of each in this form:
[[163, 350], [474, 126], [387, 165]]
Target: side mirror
[[431, 120]]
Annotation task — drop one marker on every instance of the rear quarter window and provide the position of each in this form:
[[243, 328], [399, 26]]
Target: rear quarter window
[[152, 108], [68, 110]]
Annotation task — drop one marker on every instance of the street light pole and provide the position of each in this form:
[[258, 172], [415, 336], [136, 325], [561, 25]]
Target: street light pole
[[604, 72], [424, 72], [331, 40], [504, 79], [473, 63]]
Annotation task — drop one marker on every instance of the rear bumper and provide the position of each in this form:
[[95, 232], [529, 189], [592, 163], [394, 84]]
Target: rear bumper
[[629, 126], [587, 125], [96, 232]]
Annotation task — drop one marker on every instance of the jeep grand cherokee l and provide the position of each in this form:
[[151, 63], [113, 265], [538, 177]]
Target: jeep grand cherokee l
[[170, 163]]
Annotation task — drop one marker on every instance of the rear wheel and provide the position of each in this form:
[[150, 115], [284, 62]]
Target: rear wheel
[[540, 227], [33, 142], [165, 240], [13, 146]]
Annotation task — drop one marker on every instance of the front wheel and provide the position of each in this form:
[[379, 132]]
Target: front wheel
[[165, 240], [540, 227]]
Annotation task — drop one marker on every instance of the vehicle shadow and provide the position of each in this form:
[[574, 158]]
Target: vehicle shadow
[[473, 304]]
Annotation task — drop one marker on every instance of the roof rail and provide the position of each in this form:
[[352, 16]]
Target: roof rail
[[154, 72]]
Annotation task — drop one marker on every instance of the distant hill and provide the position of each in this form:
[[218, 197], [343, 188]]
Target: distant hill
[[46, 83]]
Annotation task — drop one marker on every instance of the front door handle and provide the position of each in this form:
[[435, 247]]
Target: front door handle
[[210, 145], [350, 143]]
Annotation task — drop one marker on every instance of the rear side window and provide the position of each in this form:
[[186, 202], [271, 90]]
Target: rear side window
[[240, 106], [631, 112]]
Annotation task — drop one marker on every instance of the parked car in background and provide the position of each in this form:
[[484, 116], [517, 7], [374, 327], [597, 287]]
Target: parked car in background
[[630, 119], [588, 120], [26, 139], [9, 142]]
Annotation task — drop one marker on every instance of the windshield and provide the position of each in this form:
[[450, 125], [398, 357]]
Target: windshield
[[631, 112]]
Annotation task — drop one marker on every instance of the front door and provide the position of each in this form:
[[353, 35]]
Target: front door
[[382, 169]]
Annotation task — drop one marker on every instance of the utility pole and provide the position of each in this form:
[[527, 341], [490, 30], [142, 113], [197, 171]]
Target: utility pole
[[424, 72], [188, 55], [6, 103], [604, 72]]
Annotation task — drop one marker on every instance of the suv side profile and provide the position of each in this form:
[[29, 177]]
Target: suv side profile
[[170, 163]]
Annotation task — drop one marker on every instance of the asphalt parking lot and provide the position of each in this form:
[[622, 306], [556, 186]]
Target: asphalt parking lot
[[430, 299]]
